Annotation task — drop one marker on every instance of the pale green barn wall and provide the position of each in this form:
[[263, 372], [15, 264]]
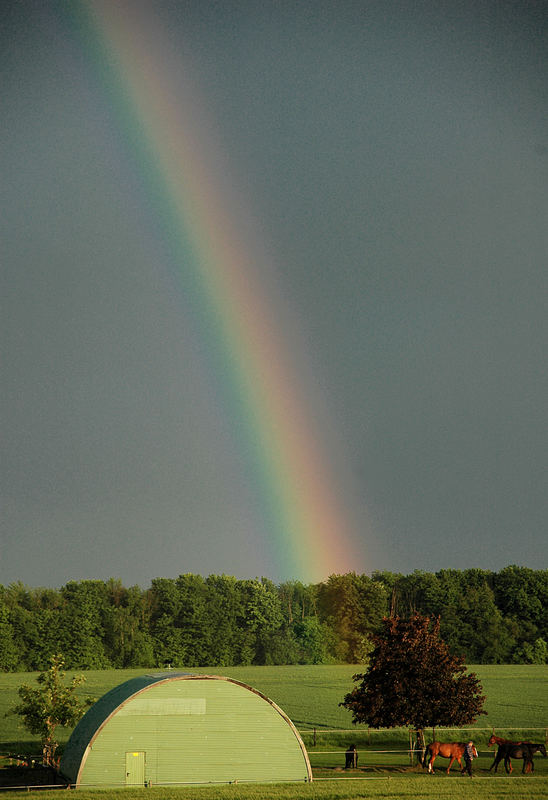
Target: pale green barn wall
[[192, 729]]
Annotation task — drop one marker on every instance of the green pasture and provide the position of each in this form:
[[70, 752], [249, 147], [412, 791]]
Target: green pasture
[[517, 695], [517, 706], [437, 787]]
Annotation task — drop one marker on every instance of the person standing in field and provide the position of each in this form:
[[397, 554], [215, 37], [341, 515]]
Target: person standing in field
[[470, 753]]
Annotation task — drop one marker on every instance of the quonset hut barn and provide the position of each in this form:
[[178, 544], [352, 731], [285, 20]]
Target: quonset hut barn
[[179, 728]]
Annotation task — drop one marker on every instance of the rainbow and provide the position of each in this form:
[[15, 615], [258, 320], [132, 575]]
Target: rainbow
[[310, 534]]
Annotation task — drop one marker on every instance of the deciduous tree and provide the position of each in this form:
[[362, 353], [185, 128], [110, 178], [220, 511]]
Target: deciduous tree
[[49, 705], [353, 606], [414, 681]]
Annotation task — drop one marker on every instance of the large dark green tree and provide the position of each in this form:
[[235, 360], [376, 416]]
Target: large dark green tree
[[261, 618], [522, 594], [413, 680], [126, 626], [222, 609], [81, 624], [352, 606], [8, 651]]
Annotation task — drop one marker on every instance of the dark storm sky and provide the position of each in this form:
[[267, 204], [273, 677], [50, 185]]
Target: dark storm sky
[[394, 159]]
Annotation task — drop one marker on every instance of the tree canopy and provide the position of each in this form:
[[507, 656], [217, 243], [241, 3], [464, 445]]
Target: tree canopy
[[413, 680], [488, 617]]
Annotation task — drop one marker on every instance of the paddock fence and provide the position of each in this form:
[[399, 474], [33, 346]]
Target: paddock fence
[[399, 747], [380, 753]]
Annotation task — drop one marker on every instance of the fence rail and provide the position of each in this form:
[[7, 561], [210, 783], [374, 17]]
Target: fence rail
[[312, 736], [438, 728]]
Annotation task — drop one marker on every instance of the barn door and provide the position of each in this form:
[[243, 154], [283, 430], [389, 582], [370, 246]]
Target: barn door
[[135, 769]]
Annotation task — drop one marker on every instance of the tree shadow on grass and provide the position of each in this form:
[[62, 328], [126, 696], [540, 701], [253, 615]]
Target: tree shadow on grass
[[360, 772], [21, 765], [29, 776]]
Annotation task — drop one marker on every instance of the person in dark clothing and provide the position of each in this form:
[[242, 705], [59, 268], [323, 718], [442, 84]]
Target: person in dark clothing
[[470, 753]]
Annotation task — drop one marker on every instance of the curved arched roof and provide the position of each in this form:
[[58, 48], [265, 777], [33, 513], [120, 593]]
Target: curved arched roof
[[231, 718], [97, 715]]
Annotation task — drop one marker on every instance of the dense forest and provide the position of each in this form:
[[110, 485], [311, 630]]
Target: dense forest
[[191, 621]]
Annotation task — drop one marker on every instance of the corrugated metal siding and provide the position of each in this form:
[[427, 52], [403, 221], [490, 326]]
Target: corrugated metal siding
[[198, 731]]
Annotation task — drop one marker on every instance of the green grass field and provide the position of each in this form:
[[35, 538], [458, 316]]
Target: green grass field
[[377, 788], [517, 706]]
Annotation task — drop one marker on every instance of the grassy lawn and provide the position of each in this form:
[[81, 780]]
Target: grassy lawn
[[517, 695], [394, 788]]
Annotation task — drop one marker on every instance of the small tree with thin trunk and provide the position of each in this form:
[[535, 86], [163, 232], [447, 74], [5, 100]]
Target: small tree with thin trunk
[[414, 681], [51, 704]]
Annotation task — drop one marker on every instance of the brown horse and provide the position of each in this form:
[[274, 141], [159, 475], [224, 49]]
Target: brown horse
[[508, 750], [452, 750], [497, 740], [524, 750], [502, 752]]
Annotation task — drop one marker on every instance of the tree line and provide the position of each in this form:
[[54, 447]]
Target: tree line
[[190, 621]]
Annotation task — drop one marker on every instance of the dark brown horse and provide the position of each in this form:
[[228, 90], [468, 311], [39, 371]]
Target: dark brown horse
[[452, 750], [503, 744], [351, 757], [508, 750], [524, 750]]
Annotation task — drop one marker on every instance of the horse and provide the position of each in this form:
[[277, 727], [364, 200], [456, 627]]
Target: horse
[[503, 752], [524, 750], [497, 740], [452, 750], [500, 752], [351, 757], [508, 749]]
